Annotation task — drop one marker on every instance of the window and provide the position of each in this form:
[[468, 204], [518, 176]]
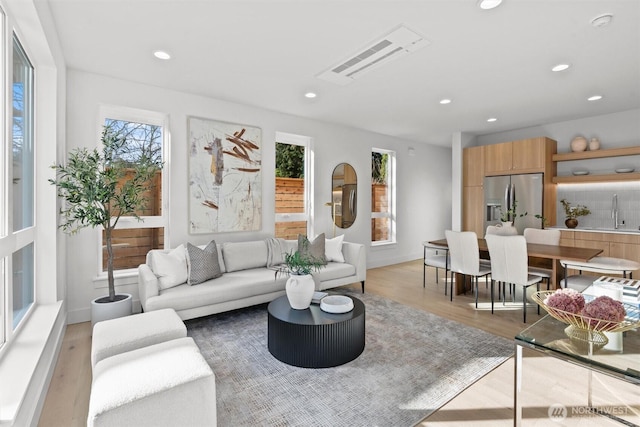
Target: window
[[292, 185], [22, 131], [382, 196], [132, 239], [17, 223]]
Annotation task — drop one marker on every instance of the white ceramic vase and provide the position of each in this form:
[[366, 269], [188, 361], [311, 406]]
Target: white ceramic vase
[[300, 291], [111, 310], [507, 229], [594, 144], [579, 143]]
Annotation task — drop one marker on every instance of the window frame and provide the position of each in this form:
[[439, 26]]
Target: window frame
[[13, 241], [306, 142], [135, 115], [391, 198]]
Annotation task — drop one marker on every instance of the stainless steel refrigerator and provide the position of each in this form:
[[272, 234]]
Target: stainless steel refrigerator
[[500, 193]]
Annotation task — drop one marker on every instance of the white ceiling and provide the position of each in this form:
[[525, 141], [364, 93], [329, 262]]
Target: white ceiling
[[266, 53]]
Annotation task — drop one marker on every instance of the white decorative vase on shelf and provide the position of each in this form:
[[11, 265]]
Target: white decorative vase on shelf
[[579, 143], [594, 144], [300, 291]]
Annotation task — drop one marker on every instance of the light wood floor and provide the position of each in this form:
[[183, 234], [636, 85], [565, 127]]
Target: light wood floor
[[488, 402]]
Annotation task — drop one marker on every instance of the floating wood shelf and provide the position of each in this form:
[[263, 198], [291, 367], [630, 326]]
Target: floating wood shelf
[[597, 178], [598, 154]]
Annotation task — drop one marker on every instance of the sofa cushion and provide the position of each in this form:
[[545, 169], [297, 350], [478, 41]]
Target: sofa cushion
[[202, 264], [244, 255], [171, 267], [334, 270], [231, 286], [333, 249], [313, 248], [276, 248]]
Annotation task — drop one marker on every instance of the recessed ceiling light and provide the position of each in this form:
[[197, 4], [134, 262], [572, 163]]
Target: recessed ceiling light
[[310, 95], [161, 54], [602, 20], [560, 67], [488, 4], [492, 119], [594, 98], [445, 101]]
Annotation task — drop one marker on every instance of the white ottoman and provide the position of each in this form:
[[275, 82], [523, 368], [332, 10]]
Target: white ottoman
[[116, 336], [166, 384]]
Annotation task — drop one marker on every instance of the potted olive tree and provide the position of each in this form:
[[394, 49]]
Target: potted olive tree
[[98, 187]]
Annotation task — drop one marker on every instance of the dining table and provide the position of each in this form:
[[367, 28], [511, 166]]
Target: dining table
[[548, 256]]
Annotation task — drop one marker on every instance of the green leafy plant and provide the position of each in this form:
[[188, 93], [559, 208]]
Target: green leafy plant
[[100, 186], [541, 218], [300, 263], [511, 214], [573, 212]]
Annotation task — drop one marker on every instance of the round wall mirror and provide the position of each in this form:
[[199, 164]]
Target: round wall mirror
[[344, 197]]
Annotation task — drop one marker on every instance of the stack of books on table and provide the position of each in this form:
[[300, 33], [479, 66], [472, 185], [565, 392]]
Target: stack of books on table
[[630, 288], [317, 296]]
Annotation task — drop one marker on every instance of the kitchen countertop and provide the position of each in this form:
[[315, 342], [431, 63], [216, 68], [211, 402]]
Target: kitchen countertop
[[600, 230]]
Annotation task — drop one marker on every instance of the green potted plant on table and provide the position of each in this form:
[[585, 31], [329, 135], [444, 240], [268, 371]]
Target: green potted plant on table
[[508, 218], [573, 212], [300, 285], [98, 187]]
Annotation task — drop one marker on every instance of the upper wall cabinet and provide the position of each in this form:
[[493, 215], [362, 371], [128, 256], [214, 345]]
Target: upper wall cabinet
[[524, 156], [473, 166]]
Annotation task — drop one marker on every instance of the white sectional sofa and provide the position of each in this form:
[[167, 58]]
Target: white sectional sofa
[[246, 278]]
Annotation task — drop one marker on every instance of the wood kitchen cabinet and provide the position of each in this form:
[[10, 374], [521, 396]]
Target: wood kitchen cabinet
[[473, 190], [472, 209], [473, 166], [523, 156]]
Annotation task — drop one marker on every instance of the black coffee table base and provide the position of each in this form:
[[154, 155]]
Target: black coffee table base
[[312, 338]]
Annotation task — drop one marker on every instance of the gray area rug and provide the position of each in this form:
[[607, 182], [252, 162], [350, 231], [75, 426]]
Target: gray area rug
[[412, 364]]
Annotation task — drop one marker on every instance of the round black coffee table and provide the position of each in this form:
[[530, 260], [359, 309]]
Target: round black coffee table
[[312, 338]]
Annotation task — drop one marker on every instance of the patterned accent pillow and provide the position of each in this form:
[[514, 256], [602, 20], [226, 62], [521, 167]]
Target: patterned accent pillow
[[202, 264], [314, 248]]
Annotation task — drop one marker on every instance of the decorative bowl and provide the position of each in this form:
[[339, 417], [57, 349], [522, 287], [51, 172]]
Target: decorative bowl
[[585, 328], [336, 304]]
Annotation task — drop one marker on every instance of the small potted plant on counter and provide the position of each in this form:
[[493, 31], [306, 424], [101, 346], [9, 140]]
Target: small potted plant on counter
[[573, 212]]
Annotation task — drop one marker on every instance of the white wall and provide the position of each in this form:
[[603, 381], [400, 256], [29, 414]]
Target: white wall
[[423, 180], [614, 131]]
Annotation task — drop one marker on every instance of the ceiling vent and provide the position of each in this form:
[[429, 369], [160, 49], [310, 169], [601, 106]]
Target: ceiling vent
[[394, 45]]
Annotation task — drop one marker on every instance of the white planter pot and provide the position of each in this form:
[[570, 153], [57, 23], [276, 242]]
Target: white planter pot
[[300, 291], [111, 310], [507, 229]]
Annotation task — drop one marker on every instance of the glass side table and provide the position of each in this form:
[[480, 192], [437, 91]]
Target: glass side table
[[548, 337]]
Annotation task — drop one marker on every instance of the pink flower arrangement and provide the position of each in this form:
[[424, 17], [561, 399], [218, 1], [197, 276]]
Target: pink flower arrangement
[[566, 299], [604, 308]]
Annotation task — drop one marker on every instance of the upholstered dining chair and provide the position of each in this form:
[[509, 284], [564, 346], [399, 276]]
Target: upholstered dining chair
[[438, 257], [539, 236], [509, 264], [465, 257]]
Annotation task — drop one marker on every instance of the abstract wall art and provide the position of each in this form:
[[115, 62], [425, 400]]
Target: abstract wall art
[[225, 177]]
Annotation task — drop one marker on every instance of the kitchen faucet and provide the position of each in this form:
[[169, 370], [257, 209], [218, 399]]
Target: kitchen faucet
[[614, 211]]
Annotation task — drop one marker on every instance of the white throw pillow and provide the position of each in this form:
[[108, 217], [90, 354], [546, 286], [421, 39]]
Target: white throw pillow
[[333, 249], [171, 268]]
